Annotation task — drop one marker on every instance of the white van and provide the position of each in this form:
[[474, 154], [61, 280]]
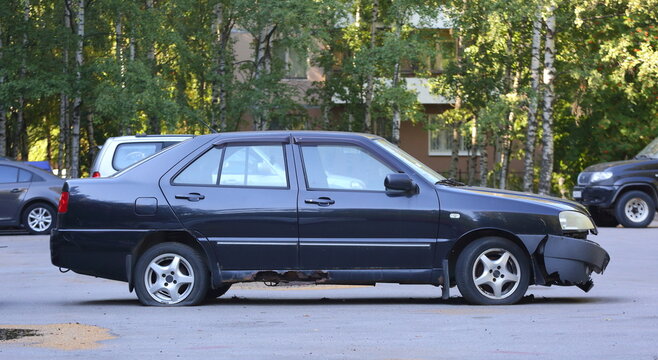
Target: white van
[[120, 152]]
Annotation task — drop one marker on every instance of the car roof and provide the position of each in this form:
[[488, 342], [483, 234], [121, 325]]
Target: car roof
[[140, 137], [295, 133]]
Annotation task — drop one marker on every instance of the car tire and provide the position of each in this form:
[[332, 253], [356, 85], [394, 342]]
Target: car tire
[[171, 274], [492, 271], [39, 218], [215, 293], [635, 209], [603, 218]]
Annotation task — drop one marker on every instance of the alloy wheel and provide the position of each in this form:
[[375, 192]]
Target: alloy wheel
[[496, 273], [169, 279], [39, 219]]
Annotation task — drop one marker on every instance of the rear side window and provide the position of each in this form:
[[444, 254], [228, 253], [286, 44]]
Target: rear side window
[[238, 165], [254, 165], [202, 171], [129, 153], [8, 174]]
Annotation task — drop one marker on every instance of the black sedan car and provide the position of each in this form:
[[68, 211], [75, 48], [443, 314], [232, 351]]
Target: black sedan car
[[28, 196], [323, 207]]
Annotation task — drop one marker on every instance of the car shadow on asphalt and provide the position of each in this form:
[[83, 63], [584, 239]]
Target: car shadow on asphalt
[[455, 300]]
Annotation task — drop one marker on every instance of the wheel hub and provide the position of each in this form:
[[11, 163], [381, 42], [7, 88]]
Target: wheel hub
[[636, 210], [169, 279], [496, 273]]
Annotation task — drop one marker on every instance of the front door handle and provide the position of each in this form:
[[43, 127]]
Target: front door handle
[[16, 190], [322, 201], [191, 196]]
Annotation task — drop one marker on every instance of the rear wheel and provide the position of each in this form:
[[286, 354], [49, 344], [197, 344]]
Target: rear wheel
[[39, 218], [635, 209], [171, 274], [492, 271]]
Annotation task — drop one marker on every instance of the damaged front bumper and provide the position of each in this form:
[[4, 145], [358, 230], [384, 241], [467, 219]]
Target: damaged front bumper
[[562, 260]]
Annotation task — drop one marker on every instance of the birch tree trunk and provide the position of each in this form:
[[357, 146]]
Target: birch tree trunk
[[263, 60], [3, 113], [154, 122], [64, 99], [474, 150], [370, 79], [77, 101], [20, 136], [397, 116], [506, 151], [455, 142], [455, 138], [546, 172], [90, 139], [531, 131], [484, 161], [221, 30]]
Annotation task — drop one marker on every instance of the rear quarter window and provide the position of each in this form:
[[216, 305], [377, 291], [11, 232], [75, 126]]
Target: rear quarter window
[[129, 153]]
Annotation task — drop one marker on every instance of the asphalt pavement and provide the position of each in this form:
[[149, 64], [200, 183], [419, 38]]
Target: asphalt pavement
[[65, 315]]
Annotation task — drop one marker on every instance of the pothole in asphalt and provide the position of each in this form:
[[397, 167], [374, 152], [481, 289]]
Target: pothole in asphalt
[[70, 336]]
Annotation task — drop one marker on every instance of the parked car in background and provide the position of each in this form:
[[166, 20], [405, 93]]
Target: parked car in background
[[622, 192], [28, 196], [120, 152], [323, 207]]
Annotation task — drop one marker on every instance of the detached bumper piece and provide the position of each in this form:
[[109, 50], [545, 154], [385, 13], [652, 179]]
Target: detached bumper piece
[[570, 261]]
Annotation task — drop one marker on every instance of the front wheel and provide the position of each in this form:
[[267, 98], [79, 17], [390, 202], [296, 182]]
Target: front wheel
[[39, 218], [635, 209], [171, 274], [492, 271]]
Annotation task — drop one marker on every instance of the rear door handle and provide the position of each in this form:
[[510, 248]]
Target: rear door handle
[[322, 201], [191, 196], [16, 190]]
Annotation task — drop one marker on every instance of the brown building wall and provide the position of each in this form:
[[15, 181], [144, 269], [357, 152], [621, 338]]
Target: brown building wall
[[414, 140]]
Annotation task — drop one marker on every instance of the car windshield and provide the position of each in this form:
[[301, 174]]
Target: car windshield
[[420, 168], [650, 151]]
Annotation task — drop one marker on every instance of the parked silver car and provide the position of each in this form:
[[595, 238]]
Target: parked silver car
[[122, 151], [28, 196]]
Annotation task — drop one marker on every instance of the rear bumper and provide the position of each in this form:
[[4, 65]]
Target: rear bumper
[[570, 261]]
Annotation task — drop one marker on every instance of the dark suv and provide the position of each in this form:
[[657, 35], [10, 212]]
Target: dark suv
[[622, 192]]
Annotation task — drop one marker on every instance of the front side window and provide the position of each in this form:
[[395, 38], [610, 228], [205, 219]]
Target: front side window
[[8, 174], [254, 165], [343, 167]]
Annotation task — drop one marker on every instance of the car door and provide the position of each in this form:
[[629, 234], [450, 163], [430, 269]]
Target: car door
[[242, 198], [347, 219], [14, 184]]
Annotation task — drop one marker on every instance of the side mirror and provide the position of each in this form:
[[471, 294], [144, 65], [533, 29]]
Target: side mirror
[[400, 183]]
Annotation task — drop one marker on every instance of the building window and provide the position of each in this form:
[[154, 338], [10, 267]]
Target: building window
[[295, 62], [440, 139]]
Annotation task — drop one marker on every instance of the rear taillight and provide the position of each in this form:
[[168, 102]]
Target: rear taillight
[[63, 202], [95, 174]]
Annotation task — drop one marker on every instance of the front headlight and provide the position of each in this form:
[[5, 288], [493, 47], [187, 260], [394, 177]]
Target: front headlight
[[600, 176], [573, 220]]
